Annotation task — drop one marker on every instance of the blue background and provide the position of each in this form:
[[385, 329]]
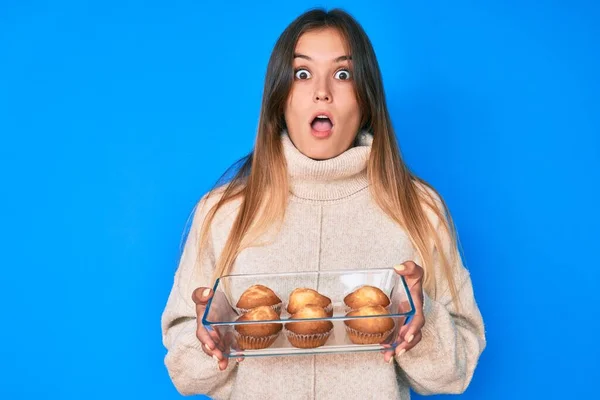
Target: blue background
[[116, 116]]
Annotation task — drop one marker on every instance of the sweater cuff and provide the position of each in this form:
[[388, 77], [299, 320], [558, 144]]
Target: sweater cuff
[[430, 314]]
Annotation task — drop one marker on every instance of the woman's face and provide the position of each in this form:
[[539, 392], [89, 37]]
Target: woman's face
[[322, 113]]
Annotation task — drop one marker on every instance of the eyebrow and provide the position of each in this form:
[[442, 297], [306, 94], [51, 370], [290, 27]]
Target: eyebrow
[[339, 59]]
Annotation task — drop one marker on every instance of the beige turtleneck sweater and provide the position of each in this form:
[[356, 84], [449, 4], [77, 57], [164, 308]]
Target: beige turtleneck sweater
[[331, 223]]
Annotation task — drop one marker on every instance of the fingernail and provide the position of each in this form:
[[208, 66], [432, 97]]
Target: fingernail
[[400, 267], [207, 347], [216, 359], [410, 338], [206, 293], [391, 360], [401, 352]]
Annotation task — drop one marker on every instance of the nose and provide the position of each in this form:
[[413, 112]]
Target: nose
[[322, 93]]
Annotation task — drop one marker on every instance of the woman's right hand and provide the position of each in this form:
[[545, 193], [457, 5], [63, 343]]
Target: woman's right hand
[[209, 339]]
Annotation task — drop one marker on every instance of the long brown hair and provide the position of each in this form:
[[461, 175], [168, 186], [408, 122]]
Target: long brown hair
[[261, 177]]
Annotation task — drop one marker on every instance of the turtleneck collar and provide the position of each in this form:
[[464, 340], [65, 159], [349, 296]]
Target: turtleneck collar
[[330, 179]]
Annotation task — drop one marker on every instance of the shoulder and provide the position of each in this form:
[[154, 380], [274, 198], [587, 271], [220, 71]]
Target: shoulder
[[220, 202], [432, 201]]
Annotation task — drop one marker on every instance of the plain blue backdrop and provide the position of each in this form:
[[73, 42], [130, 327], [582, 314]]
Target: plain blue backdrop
[[116, 116]]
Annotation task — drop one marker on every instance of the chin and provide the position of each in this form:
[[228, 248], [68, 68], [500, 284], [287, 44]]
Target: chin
[[316, 149]]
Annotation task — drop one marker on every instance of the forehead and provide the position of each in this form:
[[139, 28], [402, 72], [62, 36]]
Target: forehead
[[322, 45]]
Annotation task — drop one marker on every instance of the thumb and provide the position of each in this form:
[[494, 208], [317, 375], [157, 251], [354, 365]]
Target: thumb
[[201, 295], [409, 270]]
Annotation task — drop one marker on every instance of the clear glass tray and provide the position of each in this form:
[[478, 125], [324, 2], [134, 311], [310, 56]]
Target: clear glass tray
[[220, 315]]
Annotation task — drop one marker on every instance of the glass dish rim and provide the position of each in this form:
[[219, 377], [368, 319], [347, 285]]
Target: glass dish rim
[[409, 313]]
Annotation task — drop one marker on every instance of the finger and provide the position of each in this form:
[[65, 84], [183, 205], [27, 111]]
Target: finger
[[410, 334], [205, 338], [388, 354], [223, 364], [409, 269], [206, 350], [225, 346], [223, 353], [389, 351], [402, 332], [387, 347], [407, 332], [216, 354], [214, 335], [201, 295], [414, 276], [405, 346]]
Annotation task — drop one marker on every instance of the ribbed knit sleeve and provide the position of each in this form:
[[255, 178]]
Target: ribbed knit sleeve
[[190, 369], [453, 338]]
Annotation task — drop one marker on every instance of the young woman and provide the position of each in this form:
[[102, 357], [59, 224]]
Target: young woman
[[325, 188]]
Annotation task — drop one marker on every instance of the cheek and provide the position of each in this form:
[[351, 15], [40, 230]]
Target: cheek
[[290, 109], [350, 106], [296, 104]]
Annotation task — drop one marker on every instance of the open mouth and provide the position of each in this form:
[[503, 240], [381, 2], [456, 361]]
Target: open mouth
[[321, 123]]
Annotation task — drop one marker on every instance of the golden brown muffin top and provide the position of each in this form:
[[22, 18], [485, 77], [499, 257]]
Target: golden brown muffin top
[[309, 327], [261, 313], [370, 325], [257, 295], [366, 296], [302, 296]]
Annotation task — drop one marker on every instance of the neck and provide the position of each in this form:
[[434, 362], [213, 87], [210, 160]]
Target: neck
[[332, 179]]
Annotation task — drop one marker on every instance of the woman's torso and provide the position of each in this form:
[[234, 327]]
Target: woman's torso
[[344, 234]]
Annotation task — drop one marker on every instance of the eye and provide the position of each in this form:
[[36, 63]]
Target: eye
[[343, 74], [302, 74]]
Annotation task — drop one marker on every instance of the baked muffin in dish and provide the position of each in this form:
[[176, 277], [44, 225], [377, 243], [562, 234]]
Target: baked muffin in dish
[[369, 330], [366, 296], [260, 335], [301, 297], [308, 334], [256, 296]]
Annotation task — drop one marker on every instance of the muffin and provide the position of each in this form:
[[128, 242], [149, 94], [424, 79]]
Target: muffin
[[303, 296], [308, 334], [369, 330], [256, 296], [257, 336], [366, 296]]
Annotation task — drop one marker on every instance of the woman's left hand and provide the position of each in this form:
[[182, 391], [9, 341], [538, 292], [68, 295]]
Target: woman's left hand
[[409, 335]]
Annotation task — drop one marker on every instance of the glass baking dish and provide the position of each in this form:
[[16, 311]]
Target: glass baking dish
[[221, 312]]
